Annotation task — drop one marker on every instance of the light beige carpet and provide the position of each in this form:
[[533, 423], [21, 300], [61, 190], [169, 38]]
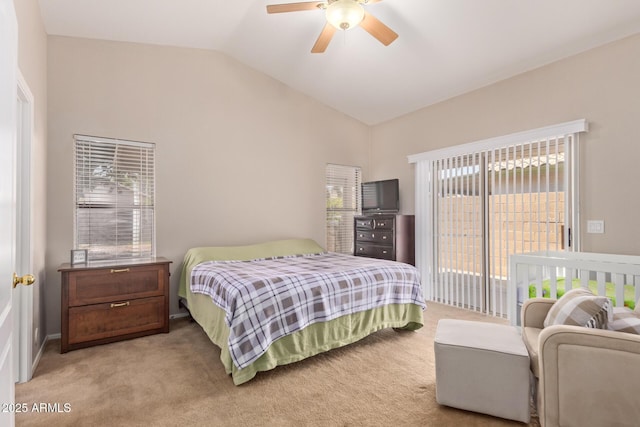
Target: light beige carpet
[[387, 379]]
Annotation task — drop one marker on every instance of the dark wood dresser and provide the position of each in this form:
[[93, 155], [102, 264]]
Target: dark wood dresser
[[384, 236], [103, 303]]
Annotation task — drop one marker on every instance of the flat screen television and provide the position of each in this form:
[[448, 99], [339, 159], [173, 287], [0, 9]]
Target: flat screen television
[[380, 196]]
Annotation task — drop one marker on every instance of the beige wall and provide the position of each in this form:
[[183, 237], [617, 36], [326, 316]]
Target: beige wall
[[601, 85], [32, 61], [240, 157]]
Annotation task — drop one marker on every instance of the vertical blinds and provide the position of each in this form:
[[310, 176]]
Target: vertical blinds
[[343, 204], [114, 188], [528, 207], [490, 205], [480, 203]]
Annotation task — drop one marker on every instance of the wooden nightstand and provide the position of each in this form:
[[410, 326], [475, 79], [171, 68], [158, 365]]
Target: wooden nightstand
[[103, 303]]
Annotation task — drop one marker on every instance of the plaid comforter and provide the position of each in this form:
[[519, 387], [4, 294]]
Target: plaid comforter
[[270, 298]]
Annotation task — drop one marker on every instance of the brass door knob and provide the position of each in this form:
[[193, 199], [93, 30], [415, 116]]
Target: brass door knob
[[25, 280]]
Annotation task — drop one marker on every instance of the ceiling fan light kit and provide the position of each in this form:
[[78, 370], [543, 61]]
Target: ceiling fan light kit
[[344, 14], [341, 15]]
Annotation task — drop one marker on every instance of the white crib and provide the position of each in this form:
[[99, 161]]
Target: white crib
[[548, 274]]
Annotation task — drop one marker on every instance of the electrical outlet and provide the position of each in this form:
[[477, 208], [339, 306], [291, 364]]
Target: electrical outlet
[[595, 226]]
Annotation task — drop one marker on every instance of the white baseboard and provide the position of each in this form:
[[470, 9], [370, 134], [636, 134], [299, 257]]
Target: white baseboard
[[36, 359]]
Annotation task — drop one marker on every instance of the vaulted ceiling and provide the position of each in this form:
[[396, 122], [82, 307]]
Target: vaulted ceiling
[[444, 48]]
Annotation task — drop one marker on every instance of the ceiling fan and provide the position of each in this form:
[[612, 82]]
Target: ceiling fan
[[340, 14]]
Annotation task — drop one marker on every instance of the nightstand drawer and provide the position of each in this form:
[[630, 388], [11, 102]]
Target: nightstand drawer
[[375, 236], [109, 284], [101, 321]]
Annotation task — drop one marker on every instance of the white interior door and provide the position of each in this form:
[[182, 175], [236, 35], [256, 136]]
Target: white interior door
[[8, 96], [24, 334]]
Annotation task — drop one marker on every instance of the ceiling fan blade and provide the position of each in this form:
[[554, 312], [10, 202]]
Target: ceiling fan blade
[[293, 7], [377, 29], [323, 39]]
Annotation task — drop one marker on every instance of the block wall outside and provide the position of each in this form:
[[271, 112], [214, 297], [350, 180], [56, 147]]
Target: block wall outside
[[519, 223]]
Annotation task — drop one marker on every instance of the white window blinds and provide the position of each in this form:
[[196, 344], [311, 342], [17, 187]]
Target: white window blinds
[[479, 203], [343, 204], [114, 195]]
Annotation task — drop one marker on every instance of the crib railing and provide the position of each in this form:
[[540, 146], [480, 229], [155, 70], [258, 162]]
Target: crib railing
[[550, 274]]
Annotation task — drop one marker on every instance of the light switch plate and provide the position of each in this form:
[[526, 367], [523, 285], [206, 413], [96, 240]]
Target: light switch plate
[[595, 226]]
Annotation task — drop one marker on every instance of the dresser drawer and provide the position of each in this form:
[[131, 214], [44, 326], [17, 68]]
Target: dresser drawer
[[375, 236], [374, 251], [101, 321], [109, 284], [383, 224], [365, 223]]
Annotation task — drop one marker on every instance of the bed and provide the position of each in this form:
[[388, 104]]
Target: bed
[[298, 330]]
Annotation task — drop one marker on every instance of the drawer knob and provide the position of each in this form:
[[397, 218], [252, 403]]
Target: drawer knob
[[122, 270], [119, 304]]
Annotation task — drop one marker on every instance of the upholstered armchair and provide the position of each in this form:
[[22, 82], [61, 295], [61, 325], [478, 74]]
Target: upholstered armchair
[[584, 376]]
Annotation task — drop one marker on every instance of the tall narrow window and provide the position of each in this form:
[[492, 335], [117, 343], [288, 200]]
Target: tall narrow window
[[343, 204], [479, 203], [114, 189]]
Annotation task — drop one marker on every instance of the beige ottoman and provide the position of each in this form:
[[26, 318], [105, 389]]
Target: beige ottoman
[[482, 367]]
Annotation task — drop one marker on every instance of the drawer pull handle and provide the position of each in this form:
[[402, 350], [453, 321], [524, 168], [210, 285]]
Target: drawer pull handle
[[122, 270], [119, 304]]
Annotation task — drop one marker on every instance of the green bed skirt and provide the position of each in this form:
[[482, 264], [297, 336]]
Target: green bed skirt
[[312, 340]]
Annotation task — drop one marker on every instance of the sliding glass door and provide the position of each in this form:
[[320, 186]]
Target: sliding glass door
[[479, 203]]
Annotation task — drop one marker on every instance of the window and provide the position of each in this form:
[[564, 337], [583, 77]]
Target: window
[[114, 197], [343, 204], [478, 203]]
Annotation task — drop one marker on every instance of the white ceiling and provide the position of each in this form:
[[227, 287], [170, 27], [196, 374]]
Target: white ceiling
[[444, 48]]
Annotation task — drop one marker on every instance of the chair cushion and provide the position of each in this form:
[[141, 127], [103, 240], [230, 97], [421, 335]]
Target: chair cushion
[[530, 336], [625, 320], [580, 307]]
